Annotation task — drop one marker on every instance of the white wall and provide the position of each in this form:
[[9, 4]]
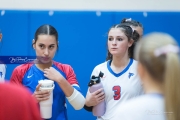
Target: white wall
[[102, 5]]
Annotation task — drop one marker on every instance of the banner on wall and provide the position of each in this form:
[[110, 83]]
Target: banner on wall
[[22, 60]]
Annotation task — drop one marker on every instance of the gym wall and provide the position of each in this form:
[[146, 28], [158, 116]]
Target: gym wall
[[82, 26]]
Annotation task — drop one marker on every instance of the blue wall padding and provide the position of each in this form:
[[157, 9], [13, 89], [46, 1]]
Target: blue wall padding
[[82, 38]]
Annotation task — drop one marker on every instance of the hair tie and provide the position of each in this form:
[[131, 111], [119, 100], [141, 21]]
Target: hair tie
[[132, 30], [166, 49], [128, 20], [116, 26]]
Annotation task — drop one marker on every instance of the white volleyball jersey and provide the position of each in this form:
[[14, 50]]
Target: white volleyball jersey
[[118, 87], [2, 72], [145, 107]]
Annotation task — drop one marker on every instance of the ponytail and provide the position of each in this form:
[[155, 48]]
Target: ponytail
[[135, 37], [171, 86], [159, 53]]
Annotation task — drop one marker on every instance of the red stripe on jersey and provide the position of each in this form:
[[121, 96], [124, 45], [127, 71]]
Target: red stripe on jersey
[[18, 73], [69, 72]]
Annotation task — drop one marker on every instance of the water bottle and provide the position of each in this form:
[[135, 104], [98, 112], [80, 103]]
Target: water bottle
[[95, 84]]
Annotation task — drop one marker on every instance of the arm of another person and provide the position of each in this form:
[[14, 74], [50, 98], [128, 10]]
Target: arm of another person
[[75, 98]]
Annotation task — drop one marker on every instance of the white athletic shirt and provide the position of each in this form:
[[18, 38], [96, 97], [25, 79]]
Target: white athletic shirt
[[2, 72], [145, 107], [118, 87]]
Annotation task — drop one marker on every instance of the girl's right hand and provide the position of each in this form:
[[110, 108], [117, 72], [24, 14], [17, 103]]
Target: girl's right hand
[[95, 98], [41, 95]]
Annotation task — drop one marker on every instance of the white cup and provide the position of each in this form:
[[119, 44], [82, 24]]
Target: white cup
[[46, 106]]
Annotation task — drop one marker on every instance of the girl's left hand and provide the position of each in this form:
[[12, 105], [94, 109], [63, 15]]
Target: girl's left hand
[[53, 74]]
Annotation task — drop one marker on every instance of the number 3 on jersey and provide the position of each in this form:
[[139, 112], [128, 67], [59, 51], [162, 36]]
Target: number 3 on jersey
[[117, 92]]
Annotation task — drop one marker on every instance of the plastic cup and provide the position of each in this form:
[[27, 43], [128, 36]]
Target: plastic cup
[[46, 106]]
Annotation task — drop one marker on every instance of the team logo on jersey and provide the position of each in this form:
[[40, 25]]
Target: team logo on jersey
[[130, 74], [29, 76], [1, 74]]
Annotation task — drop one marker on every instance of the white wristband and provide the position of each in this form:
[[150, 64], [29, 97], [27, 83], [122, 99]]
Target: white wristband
[[77, 100]]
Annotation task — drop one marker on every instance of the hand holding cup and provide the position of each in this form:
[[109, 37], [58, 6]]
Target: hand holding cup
[[41, 95]]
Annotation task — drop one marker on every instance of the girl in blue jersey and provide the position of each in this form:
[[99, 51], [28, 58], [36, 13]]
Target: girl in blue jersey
[[120, 80], [159, 68], [45, 44]]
